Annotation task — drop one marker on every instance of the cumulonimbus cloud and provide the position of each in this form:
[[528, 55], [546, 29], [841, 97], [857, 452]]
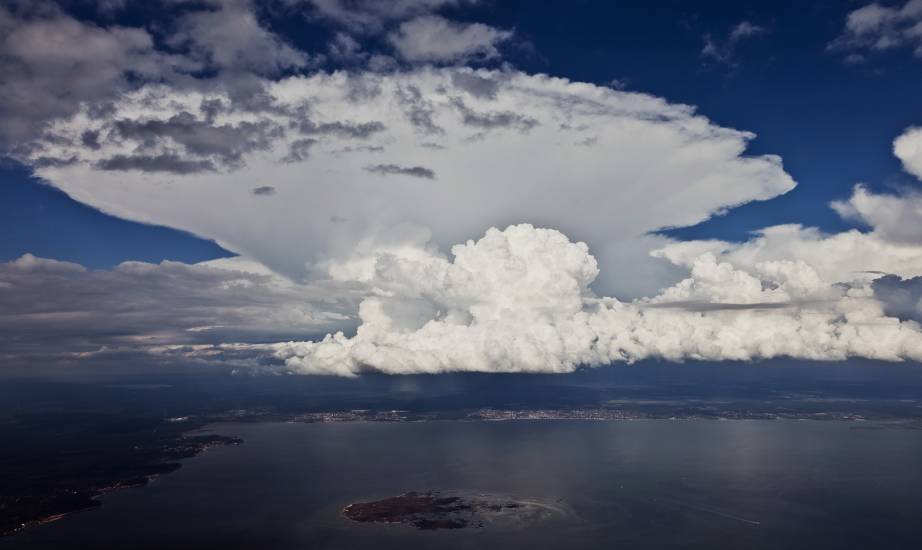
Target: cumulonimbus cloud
[[519, 300], [606, 166], [347, 185]]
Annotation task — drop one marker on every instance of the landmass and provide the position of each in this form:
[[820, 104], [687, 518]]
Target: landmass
[[430, 510], [60, 466]]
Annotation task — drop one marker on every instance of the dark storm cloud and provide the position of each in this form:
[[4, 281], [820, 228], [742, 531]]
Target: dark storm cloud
[[169, 163], [902, 298], [396, 169], [493, 119]]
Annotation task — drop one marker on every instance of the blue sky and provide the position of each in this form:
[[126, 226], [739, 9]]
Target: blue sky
[[832, 122]]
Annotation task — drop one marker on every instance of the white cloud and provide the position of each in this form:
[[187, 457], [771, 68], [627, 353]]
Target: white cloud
[[434, 38], [908, 148], [891, 242], [894, 219], [876, 27], [502, 146], [838, 258], [519, 300]]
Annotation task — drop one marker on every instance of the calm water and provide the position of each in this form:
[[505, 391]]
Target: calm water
[[642, 484]]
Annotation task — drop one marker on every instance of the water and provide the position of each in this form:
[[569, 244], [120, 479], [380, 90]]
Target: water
[[641, 484]]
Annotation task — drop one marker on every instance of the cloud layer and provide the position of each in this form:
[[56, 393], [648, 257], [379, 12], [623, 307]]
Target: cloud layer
[[53, 311]]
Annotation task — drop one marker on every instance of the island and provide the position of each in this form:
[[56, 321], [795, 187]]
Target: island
[[430, 510]]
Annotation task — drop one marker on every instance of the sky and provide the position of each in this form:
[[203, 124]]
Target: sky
[[339, 187]]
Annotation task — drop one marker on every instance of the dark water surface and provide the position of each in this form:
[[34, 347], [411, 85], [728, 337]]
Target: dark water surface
[[629, 484]]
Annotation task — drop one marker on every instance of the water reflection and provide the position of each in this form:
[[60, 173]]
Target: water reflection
[[641, 484]]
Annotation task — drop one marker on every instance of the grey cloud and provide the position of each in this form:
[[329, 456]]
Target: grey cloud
[[53, 308], [360, 149], [264, 190], [201, 138], [901, 298], [90, 64], [211, 108], [51, 161], [360, 88], [430, 38], [45, 79], [494, 119], [346, 48], [477, 86], [90, 139], [419, 110], [166, 162], [353, 130], [299, 150], [229, 36], [396, 169]]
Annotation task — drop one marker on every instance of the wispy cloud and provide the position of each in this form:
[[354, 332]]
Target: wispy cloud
[[724, 49]]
